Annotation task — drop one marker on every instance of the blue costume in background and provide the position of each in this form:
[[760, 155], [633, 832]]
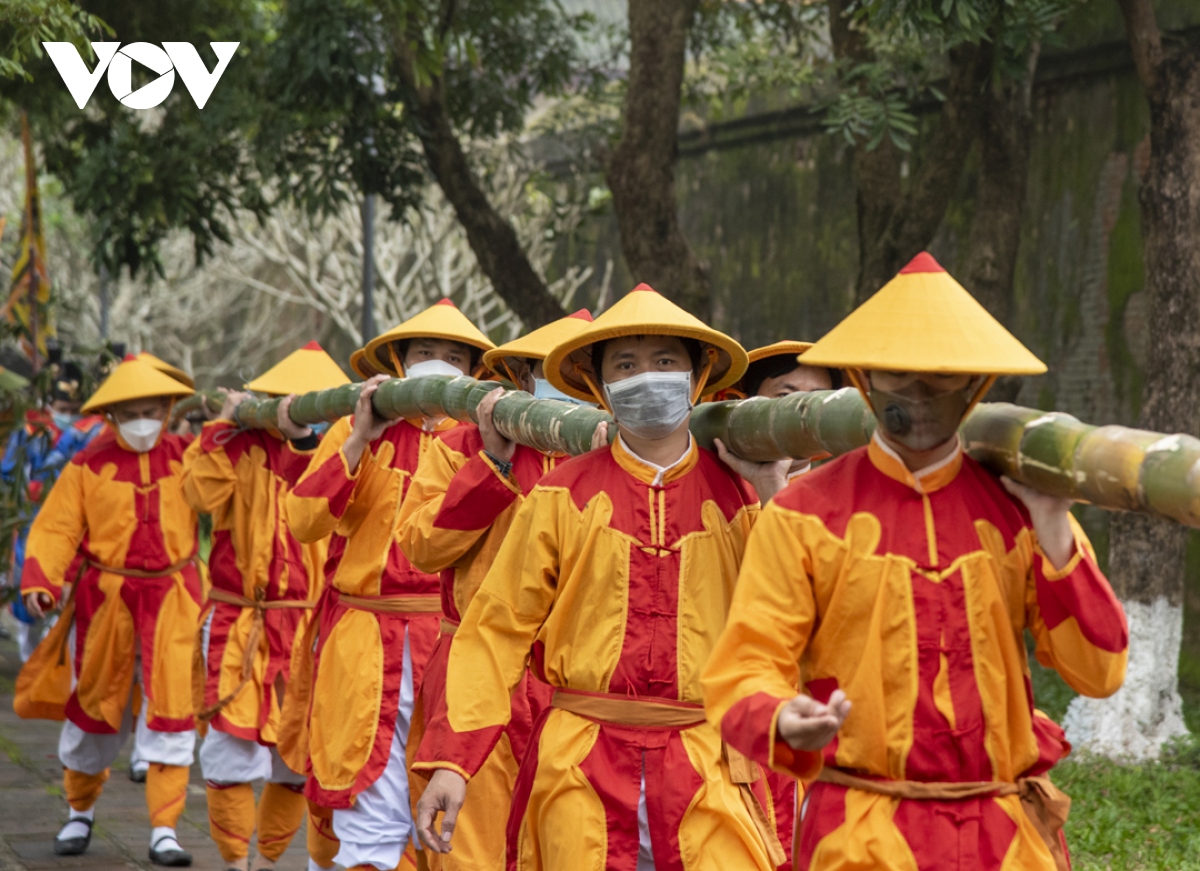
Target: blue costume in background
[[39, 450]]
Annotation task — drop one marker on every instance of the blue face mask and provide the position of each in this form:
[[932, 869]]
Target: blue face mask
[[320, 428], [63, 419], [543, 389]]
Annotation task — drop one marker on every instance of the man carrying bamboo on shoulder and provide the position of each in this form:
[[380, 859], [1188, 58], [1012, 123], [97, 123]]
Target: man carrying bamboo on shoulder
[[617, 571], [455, 517], [876, 639], [264, 583], [379, 616]]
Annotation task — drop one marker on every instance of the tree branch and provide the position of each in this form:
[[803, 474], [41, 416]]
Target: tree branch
[[491, 237], [1145, 40]]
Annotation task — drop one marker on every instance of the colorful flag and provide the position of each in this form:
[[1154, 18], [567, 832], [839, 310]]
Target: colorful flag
[[30, 282]]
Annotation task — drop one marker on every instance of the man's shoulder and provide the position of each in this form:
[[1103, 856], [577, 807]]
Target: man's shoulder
[[829, 487]]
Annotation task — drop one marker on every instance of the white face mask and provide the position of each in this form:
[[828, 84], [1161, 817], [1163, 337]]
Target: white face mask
[[140, 434], [651, 405], [431, 367], [543, 389]]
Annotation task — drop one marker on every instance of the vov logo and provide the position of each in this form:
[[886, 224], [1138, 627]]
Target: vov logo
[[173, 57]]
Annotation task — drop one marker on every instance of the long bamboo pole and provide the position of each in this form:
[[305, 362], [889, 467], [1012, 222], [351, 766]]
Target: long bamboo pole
[[1112, 467]]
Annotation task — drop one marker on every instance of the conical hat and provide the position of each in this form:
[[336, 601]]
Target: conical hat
[[134, 378], [779, 349], [167, 369], [923, 321], [358, 362], [641, 312], [442, 320], [308, 368], [539, 343]]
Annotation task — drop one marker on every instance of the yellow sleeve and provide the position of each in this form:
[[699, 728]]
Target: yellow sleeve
[[452, 502], [754, 668], [491, 647], [209, 479], [56, 534], [318, 502]]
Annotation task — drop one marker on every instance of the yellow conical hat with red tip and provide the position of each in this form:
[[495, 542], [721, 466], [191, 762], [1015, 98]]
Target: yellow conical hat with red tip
[[167, 369], [539, 343], [134, 378], [642, 312], [923, 321], [442, 320], [305, 369]]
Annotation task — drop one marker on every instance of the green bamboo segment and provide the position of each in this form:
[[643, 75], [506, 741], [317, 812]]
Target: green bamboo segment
[[196, 402], [800, 425], [544, 424], [1109, 466]]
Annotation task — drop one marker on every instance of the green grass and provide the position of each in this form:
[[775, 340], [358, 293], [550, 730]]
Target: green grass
[[1134, 817], [1130, 817]]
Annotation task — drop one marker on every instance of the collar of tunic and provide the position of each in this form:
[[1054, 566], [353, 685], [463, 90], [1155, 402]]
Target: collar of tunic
[[652, 473], [927, 480]]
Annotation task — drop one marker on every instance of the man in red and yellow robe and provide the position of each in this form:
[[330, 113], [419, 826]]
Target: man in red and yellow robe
[[133, 608], [455, 517], [617, 572], [264, 583], [891, 588], [379, 616]]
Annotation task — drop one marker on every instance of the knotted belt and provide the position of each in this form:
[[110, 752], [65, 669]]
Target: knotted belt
[[260, 605], [668, 714], [1044, 804], [449, 627]]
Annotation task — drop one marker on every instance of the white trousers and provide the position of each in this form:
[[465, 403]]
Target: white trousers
[[227, 759], [379, 826], [645, 860], [90, 753]]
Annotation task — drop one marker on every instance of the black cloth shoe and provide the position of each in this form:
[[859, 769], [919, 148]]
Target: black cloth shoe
[[138, 775], [170, 858], [74, 846]]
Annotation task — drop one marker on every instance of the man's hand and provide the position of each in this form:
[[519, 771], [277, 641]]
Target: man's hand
[[38, 604], [446, 793], [1051, 521], [766, 478], [493, 442], [600, 436], [287, 426], [233, 398], [806, 724], [367, 425]]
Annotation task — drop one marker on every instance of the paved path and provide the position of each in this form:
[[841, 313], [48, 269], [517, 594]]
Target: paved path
[[32, 808]]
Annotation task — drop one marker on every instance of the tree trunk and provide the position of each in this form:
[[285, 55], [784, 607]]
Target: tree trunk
[[1006, 130], [1006, 135], [1146, 557], [492, 238], [897, 218], [641, 170]]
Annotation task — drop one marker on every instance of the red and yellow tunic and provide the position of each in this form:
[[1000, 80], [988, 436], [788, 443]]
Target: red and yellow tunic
[[620, 575], [910, 593], [454, 520], [138, 593], [373, 595], [242, 479]]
